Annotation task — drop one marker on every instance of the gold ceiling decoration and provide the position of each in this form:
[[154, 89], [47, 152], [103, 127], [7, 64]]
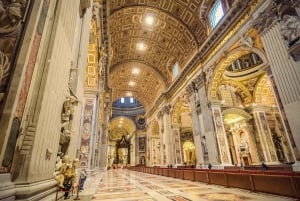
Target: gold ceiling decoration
[[185, 11], [91, 76], [147, 34], [121, 126], [136, 80], [218, 75]]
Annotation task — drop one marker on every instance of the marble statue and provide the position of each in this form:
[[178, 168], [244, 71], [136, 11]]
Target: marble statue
[[62, 165], [246, 41], [290, 29], [71, 172], [11, 14], [68, 110], [64, 140]]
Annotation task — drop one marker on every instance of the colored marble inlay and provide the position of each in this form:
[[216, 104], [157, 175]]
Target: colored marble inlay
[[125, 185], [223, 197], [178, 198]]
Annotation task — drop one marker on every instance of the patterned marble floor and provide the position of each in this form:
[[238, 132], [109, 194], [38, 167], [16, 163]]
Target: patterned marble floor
[[125, 185]]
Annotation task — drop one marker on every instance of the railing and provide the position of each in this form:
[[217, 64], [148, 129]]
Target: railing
[[286, 183], [71, 190]]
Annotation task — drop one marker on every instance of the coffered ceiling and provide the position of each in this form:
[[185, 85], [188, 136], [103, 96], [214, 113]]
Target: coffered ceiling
[[149, 36]]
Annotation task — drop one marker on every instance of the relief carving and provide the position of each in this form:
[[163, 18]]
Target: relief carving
[[285, 13], [189, 90], [208, 76], [4, 72], [66, 119], [200, 80], [290, 29], [11, 14], [247, 41]]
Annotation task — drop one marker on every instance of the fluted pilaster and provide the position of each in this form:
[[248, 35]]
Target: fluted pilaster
[[287, 81], [279, 40]]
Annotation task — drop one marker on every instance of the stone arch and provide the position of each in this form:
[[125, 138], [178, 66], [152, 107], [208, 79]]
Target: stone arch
[[217, 75]]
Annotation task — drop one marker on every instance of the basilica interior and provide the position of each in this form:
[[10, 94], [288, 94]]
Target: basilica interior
[[161, 92]]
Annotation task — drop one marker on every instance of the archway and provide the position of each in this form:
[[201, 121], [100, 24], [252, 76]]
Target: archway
[[240, 136], [189, 153]]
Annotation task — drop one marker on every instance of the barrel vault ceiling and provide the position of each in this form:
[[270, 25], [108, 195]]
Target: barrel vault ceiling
[[147, 37]]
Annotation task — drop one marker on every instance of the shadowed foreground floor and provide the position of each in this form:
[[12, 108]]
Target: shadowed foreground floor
[[125, 185]]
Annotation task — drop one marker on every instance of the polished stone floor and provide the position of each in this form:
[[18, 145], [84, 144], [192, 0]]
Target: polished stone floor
[[125, 185]]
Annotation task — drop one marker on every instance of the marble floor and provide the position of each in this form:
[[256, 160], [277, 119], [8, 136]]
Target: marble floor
[[125, 185]]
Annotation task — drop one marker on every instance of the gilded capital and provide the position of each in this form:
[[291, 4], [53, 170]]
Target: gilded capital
[[200, 80], [266, 19], [190, 89], [159, 115], [166, 109]]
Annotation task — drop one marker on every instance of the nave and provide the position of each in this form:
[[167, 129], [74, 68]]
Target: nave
[[126, 185]]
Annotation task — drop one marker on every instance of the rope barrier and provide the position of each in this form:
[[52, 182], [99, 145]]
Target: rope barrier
[[70, 190], [78, 190]]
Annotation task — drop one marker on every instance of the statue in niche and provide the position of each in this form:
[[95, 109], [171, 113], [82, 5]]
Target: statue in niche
[[278, 147], [243, 147], [290, 29], [140, 121]]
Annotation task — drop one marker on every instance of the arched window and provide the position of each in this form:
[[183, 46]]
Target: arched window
[[216, 13], [175, 70]]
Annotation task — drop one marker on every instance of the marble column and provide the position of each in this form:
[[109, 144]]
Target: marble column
[[168, 135], [161, 137], [132, 150], [285, 69], [221, 134], [206, 122], [191, 95], [235, 148], [136, 153]]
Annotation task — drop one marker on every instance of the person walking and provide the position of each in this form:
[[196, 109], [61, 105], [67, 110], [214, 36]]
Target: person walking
[[82, 178]]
